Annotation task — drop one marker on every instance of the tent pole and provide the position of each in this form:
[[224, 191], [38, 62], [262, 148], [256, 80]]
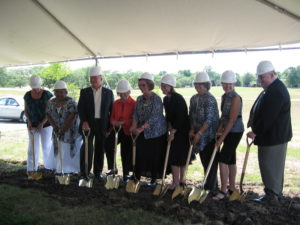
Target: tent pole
[[279, 9], [64, 27]]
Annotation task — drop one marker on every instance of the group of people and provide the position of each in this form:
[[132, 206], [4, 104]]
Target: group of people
[[59, 119]]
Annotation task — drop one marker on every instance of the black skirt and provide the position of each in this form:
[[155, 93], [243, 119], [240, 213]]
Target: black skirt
[[150, 156], [179, 149]]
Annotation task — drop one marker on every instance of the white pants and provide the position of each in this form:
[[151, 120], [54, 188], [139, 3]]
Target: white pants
[[45, 136], [69, 164]]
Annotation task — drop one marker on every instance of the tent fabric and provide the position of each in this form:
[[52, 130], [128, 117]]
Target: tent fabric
[[112, 28]]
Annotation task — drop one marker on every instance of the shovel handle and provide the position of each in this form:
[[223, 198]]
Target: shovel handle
[[134, 138], [116, 144], [86, 135], [33, 132], [187, 160], [245, 163], [210, 164], [166, 162]]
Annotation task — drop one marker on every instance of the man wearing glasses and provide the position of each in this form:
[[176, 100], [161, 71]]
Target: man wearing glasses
[[270, 121]]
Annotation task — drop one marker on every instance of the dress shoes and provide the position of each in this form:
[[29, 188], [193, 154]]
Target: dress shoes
[[152, 183], [99, 176], [268, 199], [112, 172]]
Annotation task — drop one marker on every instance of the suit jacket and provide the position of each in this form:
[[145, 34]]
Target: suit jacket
[[272, 117], [86, 108]]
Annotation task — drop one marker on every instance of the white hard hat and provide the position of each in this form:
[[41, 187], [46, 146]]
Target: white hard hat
[[95, 71], [147, 76], [123, 86], [35, 82], [201, 77], [228, 77], [60, 85], [264, 67], [169, 79]]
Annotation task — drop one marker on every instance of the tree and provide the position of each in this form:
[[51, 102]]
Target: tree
[[79, 77], [293, 76], [214, 76], [53, 73], [3, 77], [248, 79], [186, 73], [238, 80]]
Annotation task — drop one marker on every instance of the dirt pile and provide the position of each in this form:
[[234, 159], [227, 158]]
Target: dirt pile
[[210, 212]]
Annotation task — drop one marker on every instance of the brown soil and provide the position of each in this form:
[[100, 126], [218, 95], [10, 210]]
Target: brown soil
[[209, 212]]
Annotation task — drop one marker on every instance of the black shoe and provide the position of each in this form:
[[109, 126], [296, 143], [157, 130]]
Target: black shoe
[[99, 176], [268, 199], [152, 183], [112, 172]]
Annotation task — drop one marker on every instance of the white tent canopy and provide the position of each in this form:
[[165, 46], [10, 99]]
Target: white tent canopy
[[41, 31]]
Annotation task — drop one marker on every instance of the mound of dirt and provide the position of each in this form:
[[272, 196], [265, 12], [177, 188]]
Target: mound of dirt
[[209, 212]]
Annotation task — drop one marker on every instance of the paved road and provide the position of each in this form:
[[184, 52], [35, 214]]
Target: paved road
[[9, 125]]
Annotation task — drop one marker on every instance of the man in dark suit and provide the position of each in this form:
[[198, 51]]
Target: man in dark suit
[[270, 121], [94, 108]]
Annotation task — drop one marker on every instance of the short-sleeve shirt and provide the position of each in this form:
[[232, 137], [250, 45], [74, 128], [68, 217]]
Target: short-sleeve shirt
[[37, 107]]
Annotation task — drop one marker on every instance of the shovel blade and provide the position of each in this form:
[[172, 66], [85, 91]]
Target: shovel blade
[[178, 191], [133, 186], [109, 182], [34, 175], [194, 195], [242, 196], [203, 195], [90, 182], [235, 195], [82, 183], [160, 190], [63, 179], [116, 182]]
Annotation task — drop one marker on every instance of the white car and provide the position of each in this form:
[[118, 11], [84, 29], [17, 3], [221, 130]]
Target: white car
[[12, 107]]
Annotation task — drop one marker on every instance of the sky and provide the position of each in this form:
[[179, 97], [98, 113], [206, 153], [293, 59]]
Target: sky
[[238, 62]]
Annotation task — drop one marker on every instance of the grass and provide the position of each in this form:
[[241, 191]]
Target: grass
[[17, 206]]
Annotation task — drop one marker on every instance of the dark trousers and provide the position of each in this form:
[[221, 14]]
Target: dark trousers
[[97, 150], [205, 156], [126, 151]]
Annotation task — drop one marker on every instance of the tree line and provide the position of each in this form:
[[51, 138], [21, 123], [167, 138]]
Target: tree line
[[79, 78]]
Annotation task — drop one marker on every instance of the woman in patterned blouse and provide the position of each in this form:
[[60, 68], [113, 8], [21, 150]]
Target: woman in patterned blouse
[[62, 115], [204, 117], [150, 124]]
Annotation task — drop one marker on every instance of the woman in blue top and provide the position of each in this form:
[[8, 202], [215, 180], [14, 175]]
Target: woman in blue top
[[35, 110], [150, 124], [204, 118], [231, 129]]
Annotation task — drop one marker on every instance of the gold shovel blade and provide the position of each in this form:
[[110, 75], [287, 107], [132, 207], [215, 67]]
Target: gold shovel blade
[[109, 182], [133, 186], [242, 197], [35, 175], [116, 182], [178, 191], [203, 195], [160, 189], [235, 195], [194, 195]]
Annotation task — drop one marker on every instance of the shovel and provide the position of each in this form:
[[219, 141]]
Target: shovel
[[199, 193], [63, 178], [236, 195], [112, 181], [34, 175], [133, 185], [88, 181], [162, 188], [181, 190]]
